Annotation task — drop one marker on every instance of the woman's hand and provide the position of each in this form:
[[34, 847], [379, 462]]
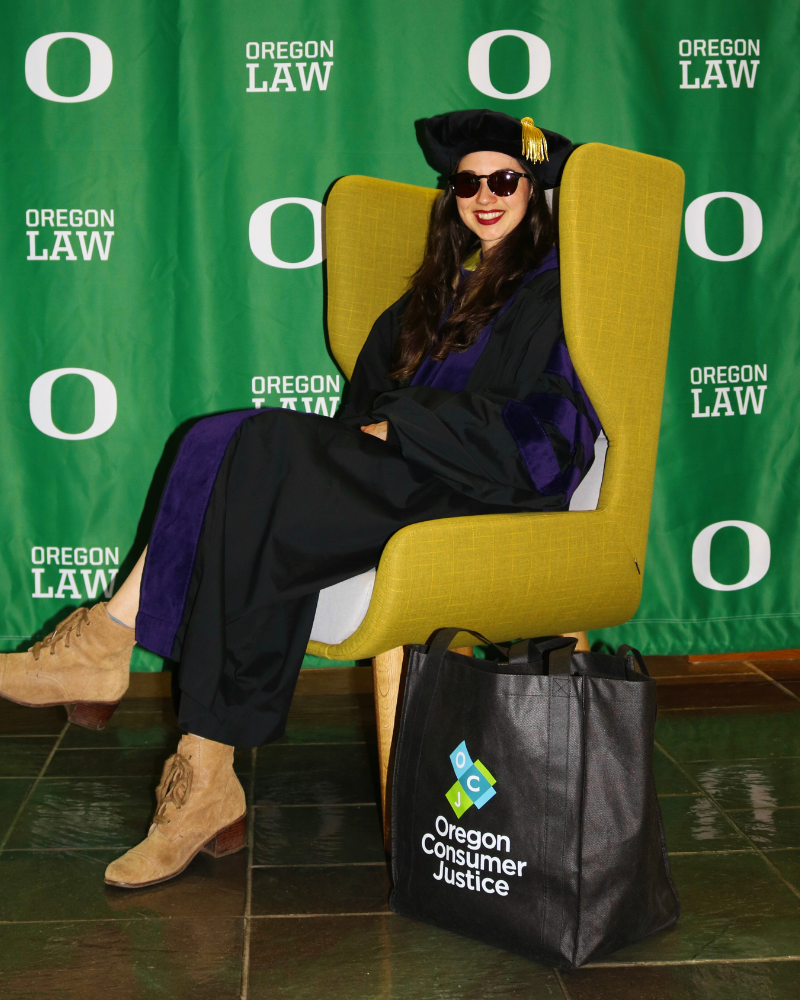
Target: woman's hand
[[377, 430]]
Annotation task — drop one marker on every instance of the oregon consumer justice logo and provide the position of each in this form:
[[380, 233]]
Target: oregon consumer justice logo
[[473, 785]]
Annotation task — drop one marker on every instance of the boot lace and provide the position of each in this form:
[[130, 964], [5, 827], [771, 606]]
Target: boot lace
[[175, 786], [63, 631]]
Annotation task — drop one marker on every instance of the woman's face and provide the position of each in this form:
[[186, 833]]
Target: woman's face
[[488, 216]]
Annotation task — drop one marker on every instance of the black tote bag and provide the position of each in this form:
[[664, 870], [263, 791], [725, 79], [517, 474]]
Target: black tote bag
[[524, 811]]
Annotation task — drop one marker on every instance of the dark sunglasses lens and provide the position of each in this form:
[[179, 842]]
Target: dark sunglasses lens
[[503, 183], [466, 185]]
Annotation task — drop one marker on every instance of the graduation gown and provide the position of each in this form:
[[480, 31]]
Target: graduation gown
[[264, 508]]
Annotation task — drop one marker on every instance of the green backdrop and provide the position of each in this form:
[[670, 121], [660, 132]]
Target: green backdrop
[[162, 174]]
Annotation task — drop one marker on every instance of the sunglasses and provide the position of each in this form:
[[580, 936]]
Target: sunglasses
[[503, 183]]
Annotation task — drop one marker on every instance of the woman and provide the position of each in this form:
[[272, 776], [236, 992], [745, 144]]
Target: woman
[[463, 401]]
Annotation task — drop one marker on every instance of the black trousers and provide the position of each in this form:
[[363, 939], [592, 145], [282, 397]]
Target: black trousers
[[300, 502]]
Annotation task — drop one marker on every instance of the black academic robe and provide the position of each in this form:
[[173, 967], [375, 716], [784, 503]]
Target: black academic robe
[[463, 438], [264, 508]]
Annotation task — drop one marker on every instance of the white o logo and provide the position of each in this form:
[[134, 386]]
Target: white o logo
[[759, 557], [105, 403], [261, 233], [695, 226], [101, 67], [538, 64]]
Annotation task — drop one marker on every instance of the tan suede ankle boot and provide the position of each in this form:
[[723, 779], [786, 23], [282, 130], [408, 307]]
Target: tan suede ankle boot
[[84, 664], [201, 807]]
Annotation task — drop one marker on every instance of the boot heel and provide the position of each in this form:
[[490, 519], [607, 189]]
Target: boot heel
[[90, 714], [233, 838]]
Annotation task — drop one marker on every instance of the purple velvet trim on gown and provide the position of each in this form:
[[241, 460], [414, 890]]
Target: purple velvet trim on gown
[[453, 372], [528, 421], [173, 544]]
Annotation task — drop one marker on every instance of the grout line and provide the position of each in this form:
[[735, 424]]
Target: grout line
[[691, 961], [678, 795], [253, 916], [738, 760], [688, 680], [28, 736], [94, 777], [332, 864], [772, 680], [560, 980], [738, 829], [691, 854], [67, 850], [314, 805], [33, 787], [314, 916], [248, 893], [112, 920], [739, 809], [725, 709], [314, 743]]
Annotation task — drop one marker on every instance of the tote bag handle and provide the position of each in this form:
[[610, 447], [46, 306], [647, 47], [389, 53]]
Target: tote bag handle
[[555, 650]]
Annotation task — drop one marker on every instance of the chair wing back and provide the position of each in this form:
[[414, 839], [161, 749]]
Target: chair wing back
[[375, 235], [619, 229], [529, 574]]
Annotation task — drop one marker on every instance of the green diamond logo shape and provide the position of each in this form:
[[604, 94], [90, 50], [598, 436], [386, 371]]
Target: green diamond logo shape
[[458, 799], [485, 772]]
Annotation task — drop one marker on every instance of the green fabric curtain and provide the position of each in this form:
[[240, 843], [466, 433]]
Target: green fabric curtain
[[163, 172]]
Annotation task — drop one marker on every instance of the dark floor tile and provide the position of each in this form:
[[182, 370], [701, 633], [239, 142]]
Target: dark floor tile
[[762, 783], [86, 812], [68, 885], [313, 774], [19, 720], [134, 960], [731, 886], [24, 757], [716, 695], [730, 737], [693, 823], [346, 889], [742, 981], [770, 828], [339, 718], [129, 729], [788, 863], [363, 958], [137, 706], [12, 792], [670, 780], [317, 834], [141, 762], [699, 937]]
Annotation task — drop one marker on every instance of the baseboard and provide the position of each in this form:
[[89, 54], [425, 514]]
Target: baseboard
[[766, 654], [320, 680]]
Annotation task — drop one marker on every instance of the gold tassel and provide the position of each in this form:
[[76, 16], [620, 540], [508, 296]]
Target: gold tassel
[[534, 144]]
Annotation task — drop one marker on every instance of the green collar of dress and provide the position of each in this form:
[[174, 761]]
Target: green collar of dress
[[472, 261]]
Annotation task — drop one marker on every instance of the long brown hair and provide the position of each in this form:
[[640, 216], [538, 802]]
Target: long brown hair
[[478, 297]]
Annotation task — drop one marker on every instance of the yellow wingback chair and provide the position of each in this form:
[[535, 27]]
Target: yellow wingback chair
[[526, 574]]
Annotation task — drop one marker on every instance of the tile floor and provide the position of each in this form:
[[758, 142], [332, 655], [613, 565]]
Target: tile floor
[[303, 913]]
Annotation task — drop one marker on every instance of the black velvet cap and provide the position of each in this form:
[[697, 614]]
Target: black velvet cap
[[450, 137]]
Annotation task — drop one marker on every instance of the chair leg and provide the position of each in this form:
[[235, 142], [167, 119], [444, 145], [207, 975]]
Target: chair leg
[[387, 668], [583, 641]]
